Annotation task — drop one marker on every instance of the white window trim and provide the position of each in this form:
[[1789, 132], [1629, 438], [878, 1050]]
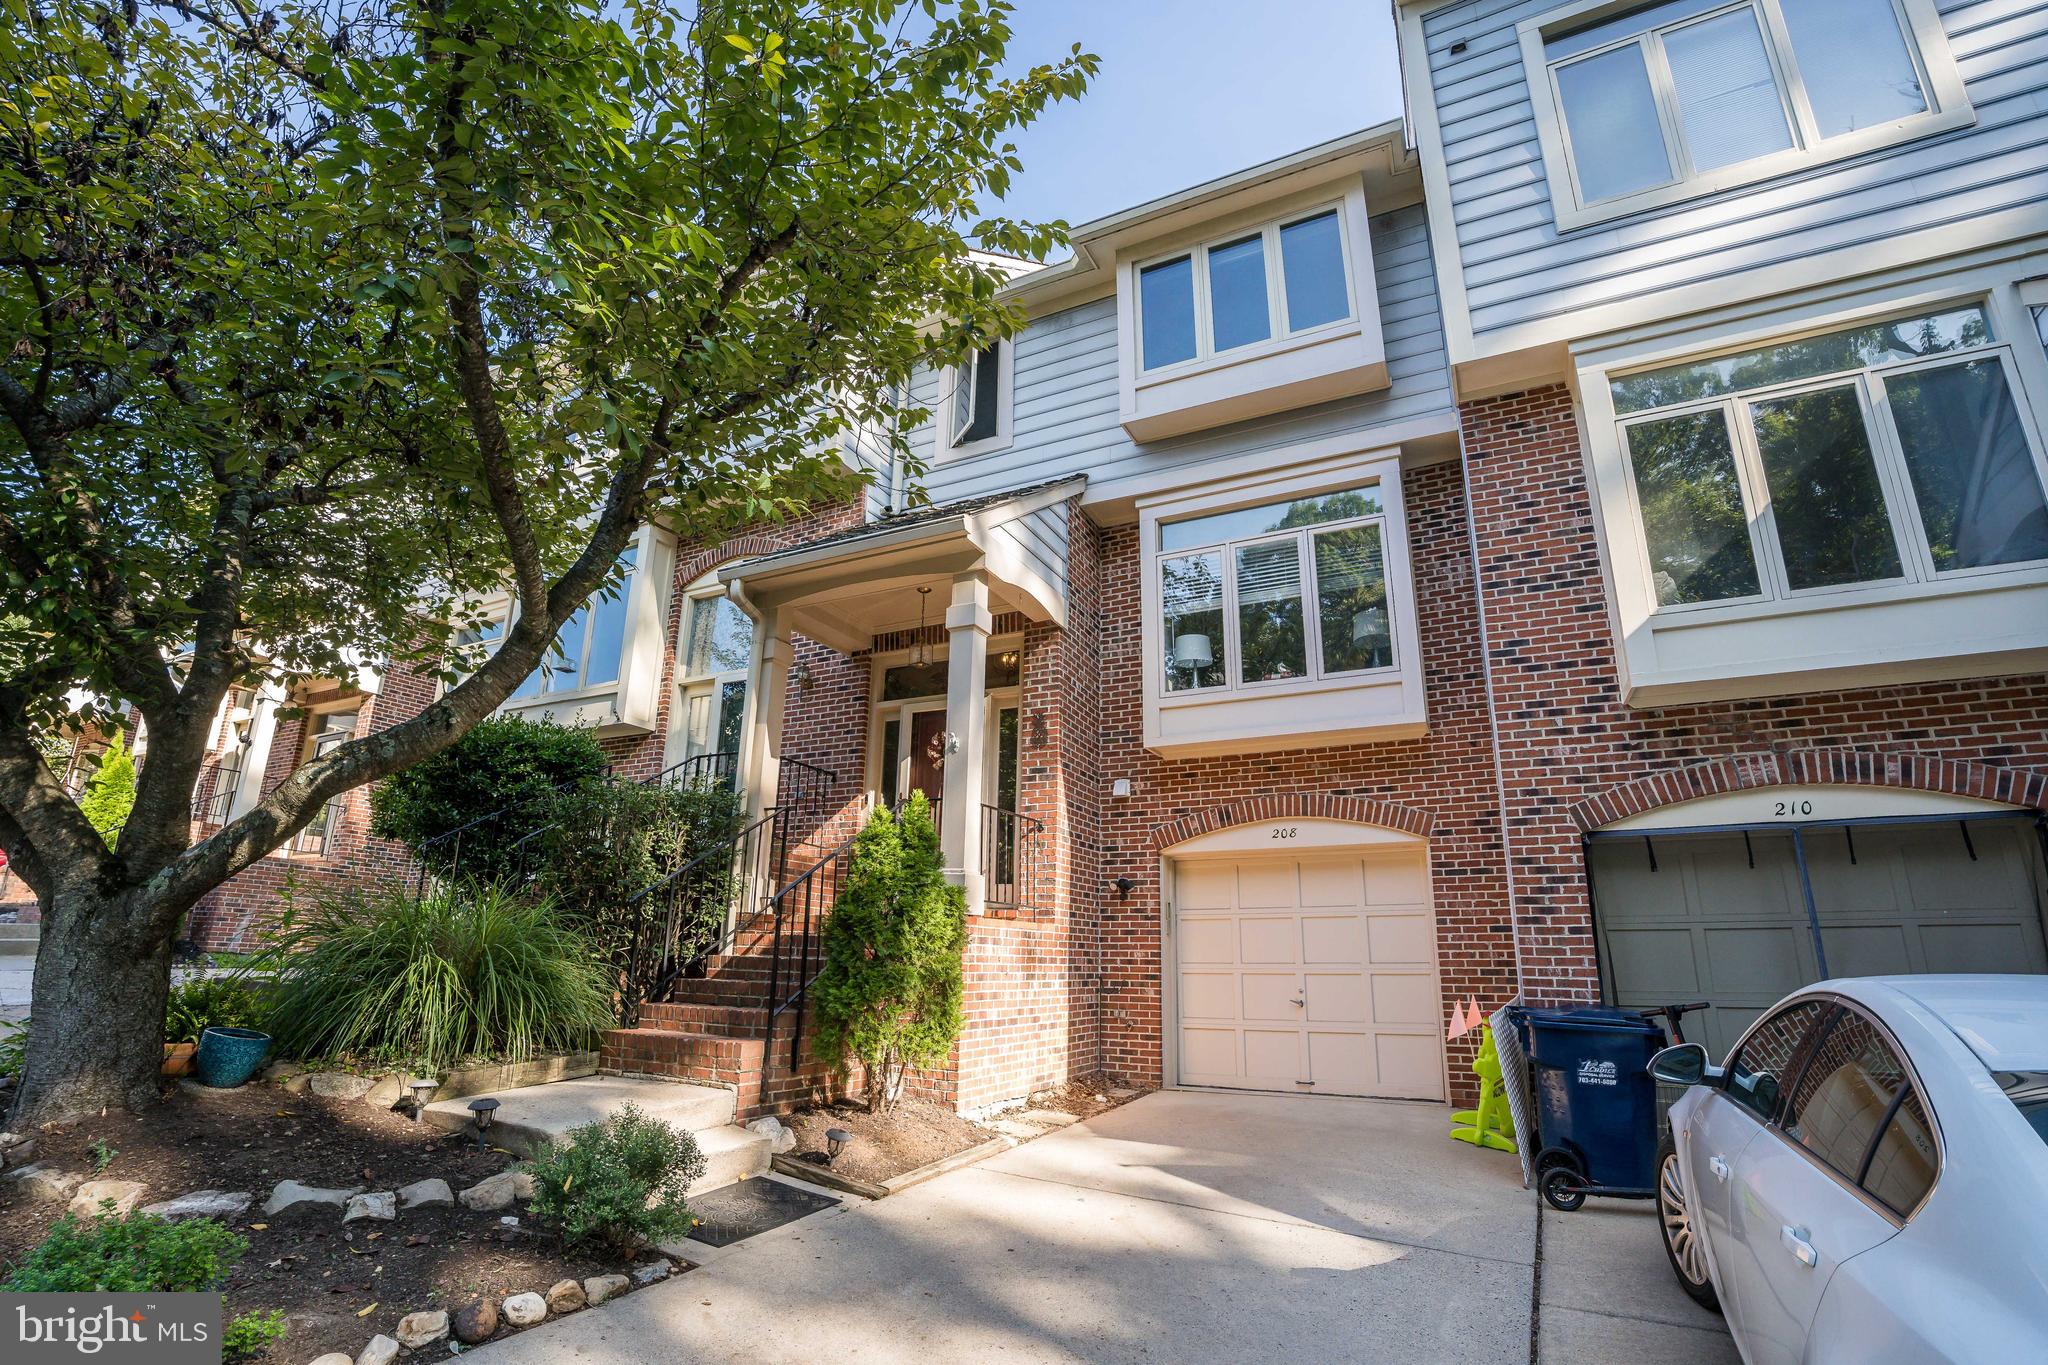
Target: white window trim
[[1287, 370], [1927, 45], [1340, 708], [1963, 623], [690, 686], [1006, 402]]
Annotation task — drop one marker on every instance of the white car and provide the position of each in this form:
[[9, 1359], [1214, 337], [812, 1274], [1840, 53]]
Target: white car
[[1866, 1179]]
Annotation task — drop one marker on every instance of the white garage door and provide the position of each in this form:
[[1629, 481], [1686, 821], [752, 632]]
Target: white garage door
[[1314, 974]]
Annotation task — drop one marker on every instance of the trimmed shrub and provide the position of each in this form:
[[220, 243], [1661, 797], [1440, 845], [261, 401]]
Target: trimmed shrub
[[251, 1332], [504, 764], [110, 791], [139, 1254], [214, 1002], [889, 992], [13, 1046], [460, 972], [619, 1183]]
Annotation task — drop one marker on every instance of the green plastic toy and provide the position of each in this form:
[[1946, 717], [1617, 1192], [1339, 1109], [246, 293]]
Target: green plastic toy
[[1491, 1124]]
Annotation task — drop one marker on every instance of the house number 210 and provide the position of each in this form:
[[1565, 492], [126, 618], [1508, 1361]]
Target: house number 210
[[1792, 808]]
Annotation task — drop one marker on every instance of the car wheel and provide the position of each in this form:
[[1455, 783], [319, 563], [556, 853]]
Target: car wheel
[[1682, 1242]]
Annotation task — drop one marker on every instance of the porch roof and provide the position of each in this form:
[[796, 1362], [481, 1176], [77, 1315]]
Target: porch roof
[[846, 588]]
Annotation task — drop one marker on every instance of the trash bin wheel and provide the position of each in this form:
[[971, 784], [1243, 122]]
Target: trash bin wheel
[[1561, 1180]]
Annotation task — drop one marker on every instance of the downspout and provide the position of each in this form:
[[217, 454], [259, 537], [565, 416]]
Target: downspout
[[1500, 781]]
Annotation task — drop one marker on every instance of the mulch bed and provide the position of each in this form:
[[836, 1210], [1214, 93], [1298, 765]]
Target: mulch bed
[[324, 1276], [916, 1133]]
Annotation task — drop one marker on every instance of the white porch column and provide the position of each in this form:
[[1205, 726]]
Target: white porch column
[[761, 753], [968, 625]]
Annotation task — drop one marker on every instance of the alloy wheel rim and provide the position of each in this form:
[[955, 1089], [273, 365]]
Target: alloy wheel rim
[[1677, 1218]]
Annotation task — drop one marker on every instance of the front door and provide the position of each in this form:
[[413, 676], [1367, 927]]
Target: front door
[[927, 753]]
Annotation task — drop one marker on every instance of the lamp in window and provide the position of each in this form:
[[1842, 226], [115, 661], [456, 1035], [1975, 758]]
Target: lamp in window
[[920, 652], [1369, 629], [1193, 653]]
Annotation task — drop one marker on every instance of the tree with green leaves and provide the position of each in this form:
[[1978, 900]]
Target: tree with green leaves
[[110, 791], [889, 992], [323, 320]]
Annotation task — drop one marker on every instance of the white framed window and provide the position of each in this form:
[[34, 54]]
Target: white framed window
[[1275, 281], [1643, 105], [587, 652], [326, 731], [1891, 452], [1279, 609], [977, 401], [716, 661]]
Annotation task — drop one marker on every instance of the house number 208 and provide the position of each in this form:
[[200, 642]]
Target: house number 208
[[1286, 831]]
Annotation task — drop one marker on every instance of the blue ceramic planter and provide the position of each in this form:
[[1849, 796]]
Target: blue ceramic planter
[[228, 1057]]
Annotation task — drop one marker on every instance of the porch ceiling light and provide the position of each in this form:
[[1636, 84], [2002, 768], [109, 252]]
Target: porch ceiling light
[[920, 652]]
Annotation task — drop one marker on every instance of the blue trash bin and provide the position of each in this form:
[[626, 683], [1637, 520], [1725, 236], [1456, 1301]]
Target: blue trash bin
[[1596, 1104]]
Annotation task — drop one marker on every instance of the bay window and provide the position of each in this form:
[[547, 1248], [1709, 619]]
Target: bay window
[[1682, 97], [1276, 281], [1292, 590], [1894, 452]]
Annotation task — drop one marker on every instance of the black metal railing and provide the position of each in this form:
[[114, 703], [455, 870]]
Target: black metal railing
[[799, 911], [1009, 851], [215, 795], [512, 854], [721, 769]]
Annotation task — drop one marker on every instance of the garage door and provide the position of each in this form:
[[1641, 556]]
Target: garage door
[[1308, 975], [1722, 917]]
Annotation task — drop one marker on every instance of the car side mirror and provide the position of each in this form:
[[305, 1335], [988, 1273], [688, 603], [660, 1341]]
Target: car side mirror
[[1681, 1064]]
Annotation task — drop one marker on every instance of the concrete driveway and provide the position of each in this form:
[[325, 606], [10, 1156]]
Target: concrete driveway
[[1181, 1227]]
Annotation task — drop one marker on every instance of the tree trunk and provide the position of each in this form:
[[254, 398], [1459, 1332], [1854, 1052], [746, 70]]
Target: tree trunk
[[97, 1010]]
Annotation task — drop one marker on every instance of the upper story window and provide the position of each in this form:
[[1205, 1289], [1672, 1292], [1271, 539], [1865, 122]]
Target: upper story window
[[718, 653], [585, 653], [977, 402], [1288, 590], [1278, 280], [1660, 102], [1893, 452]]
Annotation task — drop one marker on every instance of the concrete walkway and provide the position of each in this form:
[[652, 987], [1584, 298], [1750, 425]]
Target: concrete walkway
[[1182, 1227]]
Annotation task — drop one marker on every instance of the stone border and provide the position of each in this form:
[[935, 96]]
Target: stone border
[[798, 1169], [386, 1089]]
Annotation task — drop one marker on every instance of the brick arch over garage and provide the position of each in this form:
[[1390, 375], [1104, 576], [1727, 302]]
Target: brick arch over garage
[[2026, 787], [1292, 805]]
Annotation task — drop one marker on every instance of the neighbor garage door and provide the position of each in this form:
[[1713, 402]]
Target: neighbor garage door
[[1721, 917], [1308, 975]]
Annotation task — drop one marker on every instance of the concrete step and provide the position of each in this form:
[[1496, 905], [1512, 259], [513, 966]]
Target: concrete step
[[731, 1154], [545, 1113], [19, 940]]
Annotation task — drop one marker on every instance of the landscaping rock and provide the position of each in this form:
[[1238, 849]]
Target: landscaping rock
[[386, 1091], [522, 1182], [474, 1322], [290, 1194], [422, 1329], [780, 1139], [490, 1194], [91, 1198], [333, 1358], [431, 1193], [44, 1183], [598, 1288], [339, 1085], [652, 1273], [20, 1154], [380, 1207], [524, 1310], [203, 1204], [565, 1296], [382, 1350]]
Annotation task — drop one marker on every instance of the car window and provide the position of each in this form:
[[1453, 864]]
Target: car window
[[1902, 1165], [1844, 1093], [1760, 1068], [2028, 1090]]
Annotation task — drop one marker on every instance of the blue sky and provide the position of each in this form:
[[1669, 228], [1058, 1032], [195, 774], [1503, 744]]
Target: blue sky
[[1193, 89]]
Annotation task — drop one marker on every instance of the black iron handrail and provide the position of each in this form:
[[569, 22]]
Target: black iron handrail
[[810, 896], [1009, 850]]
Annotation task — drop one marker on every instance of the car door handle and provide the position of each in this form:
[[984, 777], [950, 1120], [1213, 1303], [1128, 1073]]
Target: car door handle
[[1719, 1168], [1795, 1242]]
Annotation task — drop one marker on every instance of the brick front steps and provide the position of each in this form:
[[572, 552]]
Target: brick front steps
[[722, 1045]]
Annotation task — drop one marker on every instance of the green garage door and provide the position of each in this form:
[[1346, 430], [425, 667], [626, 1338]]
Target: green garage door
[[1718, 917]]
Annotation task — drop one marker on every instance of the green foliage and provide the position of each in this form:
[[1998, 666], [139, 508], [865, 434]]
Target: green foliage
[[249, 1333], [102, 1156], [139, 1254], [460, 972], [889, 992], [13, 1046], [215, 1002], [505, 764], [612, 840], [619, 1183], [110, 791]]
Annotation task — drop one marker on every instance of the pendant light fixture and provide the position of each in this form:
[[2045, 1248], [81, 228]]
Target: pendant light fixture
[[920, 652]]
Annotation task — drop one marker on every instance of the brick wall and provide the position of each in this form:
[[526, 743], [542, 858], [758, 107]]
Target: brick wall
[[1446, 777], [1574, 755]]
